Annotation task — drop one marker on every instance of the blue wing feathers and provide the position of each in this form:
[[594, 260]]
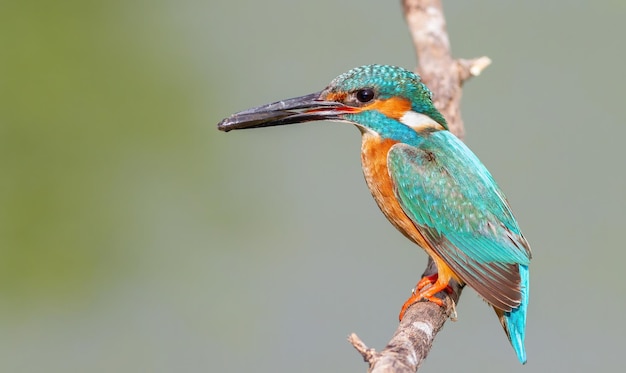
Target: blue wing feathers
[[455, 203], [441, 184]]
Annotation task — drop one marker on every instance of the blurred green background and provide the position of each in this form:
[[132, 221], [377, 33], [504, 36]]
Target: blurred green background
[[135, 237]]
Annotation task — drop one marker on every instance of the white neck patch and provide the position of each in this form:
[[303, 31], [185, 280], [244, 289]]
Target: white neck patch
[[419, 121]]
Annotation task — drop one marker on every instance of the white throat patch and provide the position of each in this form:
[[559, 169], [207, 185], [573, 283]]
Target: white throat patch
[[419, 121]]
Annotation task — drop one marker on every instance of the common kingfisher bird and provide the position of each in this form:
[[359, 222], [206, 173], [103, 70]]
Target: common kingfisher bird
[[429, 185]]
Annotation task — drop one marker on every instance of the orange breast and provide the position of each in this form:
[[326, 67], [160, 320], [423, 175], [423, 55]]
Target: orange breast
[[374, 152]]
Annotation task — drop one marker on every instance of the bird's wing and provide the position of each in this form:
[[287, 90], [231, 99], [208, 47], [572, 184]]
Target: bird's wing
[[454, 202]]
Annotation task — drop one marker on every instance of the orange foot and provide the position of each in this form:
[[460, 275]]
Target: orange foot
[[428, 294], [426, 280]]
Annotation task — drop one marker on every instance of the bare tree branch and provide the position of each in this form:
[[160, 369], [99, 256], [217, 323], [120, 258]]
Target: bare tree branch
[[445, 76], [441, 73]]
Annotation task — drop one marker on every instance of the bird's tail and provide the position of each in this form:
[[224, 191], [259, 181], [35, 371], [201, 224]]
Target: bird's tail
[[514, 322]]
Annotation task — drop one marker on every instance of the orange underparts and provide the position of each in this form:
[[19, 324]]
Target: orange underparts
[[374, 152]]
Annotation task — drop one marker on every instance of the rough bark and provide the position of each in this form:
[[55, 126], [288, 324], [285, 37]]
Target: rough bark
[[445, 76]]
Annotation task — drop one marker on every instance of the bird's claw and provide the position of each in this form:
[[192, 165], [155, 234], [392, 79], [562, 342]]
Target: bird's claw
[[428, 294]]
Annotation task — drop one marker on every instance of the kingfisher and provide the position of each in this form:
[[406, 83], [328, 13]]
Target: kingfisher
[[426, 181]]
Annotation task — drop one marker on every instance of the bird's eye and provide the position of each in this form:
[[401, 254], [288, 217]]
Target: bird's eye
[[365, 95]]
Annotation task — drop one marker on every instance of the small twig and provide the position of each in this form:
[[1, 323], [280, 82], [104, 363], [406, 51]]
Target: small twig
[[445, 76], [369, 354], [473, 67]]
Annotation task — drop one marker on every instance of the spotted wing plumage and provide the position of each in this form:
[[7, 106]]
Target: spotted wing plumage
[[453, 200]]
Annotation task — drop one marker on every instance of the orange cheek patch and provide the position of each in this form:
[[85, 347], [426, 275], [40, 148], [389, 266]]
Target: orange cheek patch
[[394, 107]]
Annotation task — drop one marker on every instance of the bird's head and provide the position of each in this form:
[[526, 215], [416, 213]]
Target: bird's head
[[389, 101]]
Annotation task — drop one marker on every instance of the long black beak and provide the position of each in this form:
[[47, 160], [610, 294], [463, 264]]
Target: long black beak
[[294, 110]]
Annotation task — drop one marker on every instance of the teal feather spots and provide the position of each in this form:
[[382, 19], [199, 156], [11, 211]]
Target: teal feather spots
[[457, 205], [389, 81], [443, 185]]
